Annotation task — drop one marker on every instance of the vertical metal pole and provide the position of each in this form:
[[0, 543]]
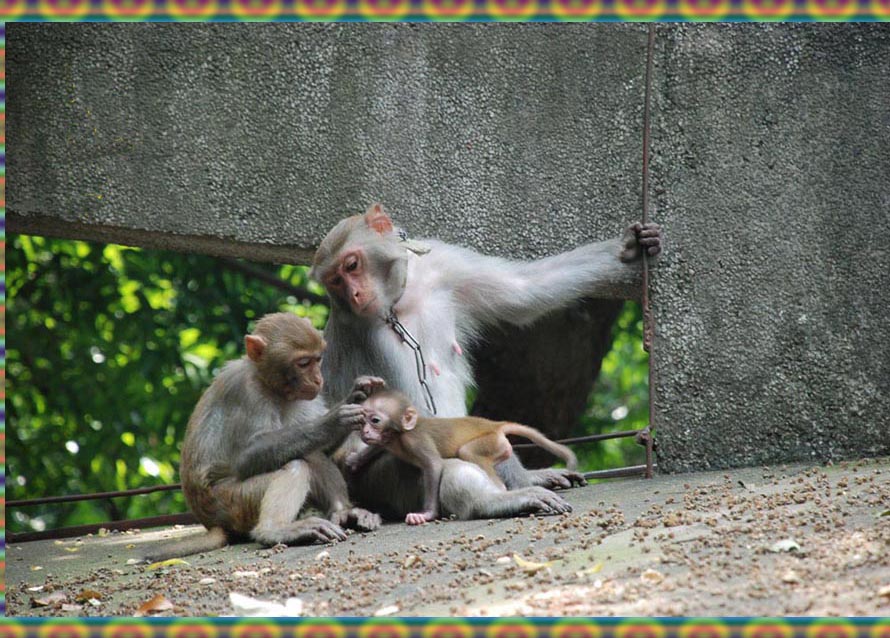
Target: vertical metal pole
[[648, 323]]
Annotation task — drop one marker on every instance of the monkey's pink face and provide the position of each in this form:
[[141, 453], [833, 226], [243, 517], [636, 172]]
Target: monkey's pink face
[[351, 282], [303, 380], [376, 430]]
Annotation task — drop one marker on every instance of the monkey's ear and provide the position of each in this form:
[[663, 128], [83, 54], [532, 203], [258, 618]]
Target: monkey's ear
[[409, 418], [377, 219], [255, 346]]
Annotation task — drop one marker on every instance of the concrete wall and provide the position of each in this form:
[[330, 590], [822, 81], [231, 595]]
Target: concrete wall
[[771, 153]]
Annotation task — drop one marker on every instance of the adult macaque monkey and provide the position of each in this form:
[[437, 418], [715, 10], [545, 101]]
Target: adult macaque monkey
[[391, 422], [440, 297], [256, 446]]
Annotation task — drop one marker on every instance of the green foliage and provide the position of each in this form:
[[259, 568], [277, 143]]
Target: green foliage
[[620, 397], [109, 349]]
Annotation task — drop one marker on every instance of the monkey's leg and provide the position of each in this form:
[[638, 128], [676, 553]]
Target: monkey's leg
[[467, 492], [485, 451], [327, 490], [515, 476], [280, 506]]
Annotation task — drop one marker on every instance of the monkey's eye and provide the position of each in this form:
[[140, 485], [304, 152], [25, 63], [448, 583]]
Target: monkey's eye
[[304, 362], [375, 420]]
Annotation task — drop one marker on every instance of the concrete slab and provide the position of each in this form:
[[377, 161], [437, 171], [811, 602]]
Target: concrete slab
[[697, 545]]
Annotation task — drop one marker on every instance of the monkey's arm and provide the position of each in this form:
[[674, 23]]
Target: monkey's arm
[[491, 289], [270, 450], [425, 455]]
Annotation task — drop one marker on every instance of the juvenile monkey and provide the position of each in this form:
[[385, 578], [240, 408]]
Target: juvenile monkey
[[444, 296], [391, 422], [257, 442]]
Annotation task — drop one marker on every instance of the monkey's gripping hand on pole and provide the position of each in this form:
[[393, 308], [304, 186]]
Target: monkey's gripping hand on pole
[[640, 237]]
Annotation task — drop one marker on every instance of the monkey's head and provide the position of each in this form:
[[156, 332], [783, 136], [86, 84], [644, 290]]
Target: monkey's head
[[387, 414], [363, 263], [286, 351]]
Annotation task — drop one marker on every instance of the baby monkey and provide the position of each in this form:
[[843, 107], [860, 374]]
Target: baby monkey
[[391, 422]]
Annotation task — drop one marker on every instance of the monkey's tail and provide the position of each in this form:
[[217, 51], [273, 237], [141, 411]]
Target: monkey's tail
[[533, 435], [214, 538]]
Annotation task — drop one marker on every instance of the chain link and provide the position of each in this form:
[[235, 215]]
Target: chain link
[[408, 339]]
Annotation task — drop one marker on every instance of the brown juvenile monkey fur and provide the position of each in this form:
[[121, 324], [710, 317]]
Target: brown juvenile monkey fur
[[392, 422], [257, 442]]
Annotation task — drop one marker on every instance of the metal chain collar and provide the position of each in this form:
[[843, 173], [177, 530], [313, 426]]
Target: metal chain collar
[[408, 339]]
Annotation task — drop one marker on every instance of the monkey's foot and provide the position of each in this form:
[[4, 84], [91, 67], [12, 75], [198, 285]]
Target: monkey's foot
[[301, 532], [357, 518], [419, 518], [543, 501], [557, 479]]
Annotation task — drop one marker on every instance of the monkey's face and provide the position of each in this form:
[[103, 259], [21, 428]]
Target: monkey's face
[[378, 428], [302, 378], [362, 264]]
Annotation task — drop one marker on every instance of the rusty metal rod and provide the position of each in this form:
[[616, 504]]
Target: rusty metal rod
[[90, 497], [648, 320], [632, 470], [81, 530]]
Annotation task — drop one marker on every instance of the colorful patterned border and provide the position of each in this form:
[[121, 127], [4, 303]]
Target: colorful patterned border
[[424, 10], [446, 628], [3, 317], [450, 10]]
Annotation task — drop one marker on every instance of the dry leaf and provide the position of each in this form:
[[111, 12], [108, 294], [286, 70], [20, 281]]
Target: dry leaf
[[786, 545], [54, 598], [247, 606], [389, 610], [36, 589], [206, 581], [36, 568], [166, 563], [410, 561], [323, 555], [72, 549], [59, 543], [130, 546], [503, 560], [590, 570], [86, 594], [71, 609], [157, 604], [884, 592], [651, 577], [528, 566], [103, 532], [884, 513]]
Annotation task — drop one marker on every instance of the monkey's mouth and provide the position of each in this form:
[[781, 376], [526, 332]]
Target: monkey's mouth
[[367, 308]]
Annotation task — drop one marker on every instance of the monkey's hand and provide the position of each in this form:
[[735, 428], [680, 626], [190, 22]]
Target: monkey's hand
[[556, 479], [640, 237], [364, 387], [348, 416], [419, 518], [356, 518]]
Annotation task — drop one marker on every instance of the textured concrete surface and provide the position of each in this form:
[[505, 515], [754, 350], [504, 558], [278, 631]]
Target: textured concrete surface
[[771, 149], [195, 136], [772, 156], [695, 545]]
